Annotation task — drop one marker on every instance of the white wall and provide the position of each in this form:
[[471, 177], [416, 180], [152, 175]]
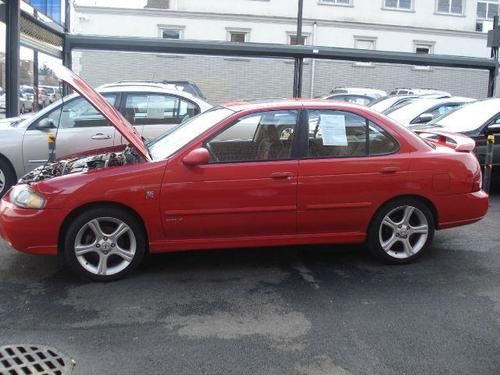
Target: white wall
[[271, 29], [371, 11]]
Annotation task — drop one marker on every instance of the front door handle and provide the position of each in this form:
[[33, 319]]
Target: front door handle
[[100, 137], [388, 170], [282, 175]]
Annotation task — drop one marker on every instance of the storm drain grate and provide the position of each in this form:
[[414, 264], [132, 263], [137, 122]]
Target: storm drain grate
[[31, 360]]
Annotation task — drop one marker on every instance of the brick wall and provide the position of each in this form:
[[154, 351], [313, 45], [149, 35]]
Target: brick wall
[[228, 79]]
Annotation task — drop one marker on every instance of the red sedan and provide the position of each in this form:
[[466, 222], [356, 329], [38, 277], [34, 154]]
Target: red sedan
[[243, 175]]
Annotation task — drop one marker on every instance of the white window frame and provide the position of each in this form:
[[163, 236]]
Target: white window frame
[[424, 44], [178, 28], [306, 36], [245, 31], [361, 38], [488, 3], [398, 9], [335, 3], [449, 13]]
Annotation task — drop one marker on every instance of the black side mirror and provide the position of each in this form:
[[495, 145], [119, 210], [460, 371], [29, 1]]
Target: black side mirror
[[425, 117], [46, 123], [493, 128]]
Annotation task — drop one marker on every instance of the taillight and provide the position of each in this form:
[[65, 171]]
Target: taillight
[[477, 183]]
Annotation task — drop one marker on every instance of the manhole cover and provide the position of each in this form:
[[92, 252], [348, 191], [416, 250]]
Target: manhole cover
[[33, 359]]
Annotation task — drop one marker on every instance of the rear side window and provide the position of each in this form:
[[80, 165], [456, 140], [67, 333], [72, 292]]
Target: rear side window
[[337, 134], [158, 109], [381, 143]]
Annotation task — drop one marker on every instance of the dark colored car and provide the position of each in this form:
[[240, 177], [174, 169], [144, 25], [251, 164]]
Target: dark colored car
[[476, 120]]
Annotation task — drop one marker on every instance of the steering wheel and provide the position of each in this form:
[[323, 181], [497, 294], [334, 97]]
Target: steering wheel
[[211, 151]]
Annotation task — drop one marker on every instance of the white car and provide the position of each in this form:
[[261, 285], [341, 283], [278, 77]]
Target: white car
[[419, 92], [372, 93], [421, 111], [53, 92], [25, 105], [384, 103], [79, 127]]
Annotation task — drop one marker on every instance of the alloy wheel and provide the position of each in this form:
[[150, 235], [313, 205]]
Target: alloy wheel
[[403, 232], [105, 246]]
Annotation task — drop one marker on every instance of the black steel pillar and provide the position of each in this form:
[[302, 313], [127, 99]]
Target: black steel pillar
[[12, 44], [67, 58], [36, 83], [67, 16], [492, 81], [299, 61]]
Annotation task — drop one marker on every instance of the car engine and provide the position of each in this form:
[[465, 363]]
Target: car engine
[[79, 165]]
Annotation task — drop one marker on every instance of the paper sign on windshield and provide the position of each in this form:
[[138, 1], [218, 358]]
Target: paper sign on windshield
[[333, 130]]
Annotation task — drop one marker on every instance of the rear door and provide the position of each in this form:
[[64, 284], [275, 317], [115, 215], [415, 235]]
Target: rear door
[[81, 128], [153, 114], [351, 166]]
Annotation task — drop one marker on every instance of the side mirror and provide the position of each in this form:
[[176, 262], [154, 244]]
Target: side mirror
[[46, 123], [199, 156], [425, 117], [493, 129]]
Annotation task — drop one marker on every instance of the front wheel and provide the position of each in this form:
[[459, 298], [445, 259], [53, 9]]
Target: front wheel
[[7, 177], [401, 231], [104, 244]]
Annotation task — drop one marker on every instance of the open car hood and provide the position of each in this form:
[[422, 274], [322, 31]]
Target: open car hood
[[102, 105]]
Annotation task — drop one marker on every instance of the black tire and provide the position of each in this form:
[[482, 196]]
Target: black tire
[[79, 222], [8, 175], [376, 234]]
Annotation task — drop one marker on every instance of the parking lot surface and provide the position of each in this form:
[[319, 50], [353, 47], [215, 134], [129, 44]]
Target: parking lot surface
[[301, 310]]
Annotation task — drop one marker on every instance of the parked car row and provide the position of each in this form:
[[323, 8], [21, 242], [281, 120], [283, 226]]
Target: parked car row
[[46, 96], [262, 173]]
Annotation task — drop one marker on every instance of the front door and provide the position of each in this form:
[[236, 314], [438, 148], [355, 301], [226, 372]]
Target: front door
[[351, 166], [81, 128], [249, 188], [481, 137]]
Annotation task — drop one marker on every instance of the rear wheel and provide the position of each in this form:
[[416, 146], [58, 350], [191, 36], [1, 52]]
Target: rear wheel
[[7, 176], [401, 231], [104, 243]]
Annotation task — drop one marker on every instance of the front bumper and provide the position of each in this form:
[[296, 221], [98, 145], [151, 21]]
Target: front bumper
[[30, 231], [461, 209]]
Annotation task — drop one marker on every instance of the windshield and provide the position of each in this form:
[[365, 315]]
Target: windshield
[[469, 117], [167, 144]]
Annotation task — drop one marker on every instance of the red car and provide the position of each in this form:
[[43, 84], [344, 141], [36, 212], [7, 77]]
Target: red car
[[244, 175]]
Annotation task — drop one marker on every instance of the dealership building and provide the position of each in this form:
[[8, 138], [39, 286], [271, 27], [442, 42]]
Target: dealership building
[[442, 27]]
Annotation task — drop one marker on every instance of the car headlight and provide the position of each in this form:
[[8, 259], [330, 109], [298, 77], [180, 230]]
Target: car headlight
[[24, 196]]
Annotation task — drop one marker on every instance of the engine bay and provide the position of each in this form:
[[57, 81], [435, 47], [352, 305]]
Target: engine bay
[[81, 164]]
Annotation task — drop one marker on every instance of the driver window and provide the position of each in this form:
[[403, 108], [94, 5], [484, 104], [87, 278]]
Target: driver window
[[79, 113], [262, 136]]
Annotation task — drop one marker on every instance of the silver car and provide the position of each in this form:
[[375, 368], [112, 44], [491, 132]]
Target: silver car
[[151, 109]]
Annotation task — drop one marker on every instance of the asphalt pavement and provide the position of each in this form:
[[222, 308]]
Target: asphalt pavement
[[299, 310]]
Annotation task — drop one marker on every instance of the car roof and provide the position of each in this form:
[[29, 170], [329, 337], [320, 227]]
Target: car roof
[[298, 103], [150, 88]]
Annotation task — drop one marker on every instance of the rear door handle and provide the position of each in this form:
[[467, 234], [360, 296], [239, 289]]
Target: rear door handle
[[282, 175], [100, 137], [388, 170]]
